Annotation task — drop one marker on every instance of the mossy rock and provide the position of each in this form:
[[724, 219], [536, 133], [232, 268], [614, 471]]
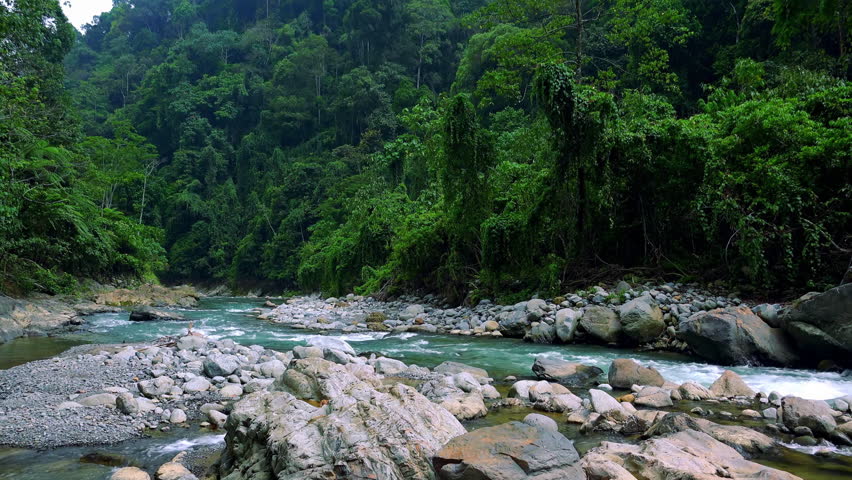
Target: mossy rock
[[558, 300], [376, 317]]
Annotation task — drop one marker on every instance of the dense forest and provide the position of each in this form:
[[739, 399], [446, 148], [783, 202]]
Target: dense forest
[[467, 147]]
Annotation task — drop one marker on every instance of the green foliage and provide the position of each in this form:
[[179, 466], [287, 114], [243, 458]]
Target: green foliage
[[473, 148]]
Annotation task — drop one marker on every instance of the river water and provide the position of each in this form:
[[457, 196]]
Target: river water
[[232, 318]]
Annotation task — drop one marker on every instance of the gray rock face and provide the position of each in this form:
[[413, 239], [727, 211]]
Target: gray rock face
[[389, 366], [641, 320], [541, 333], [604, 404], [566, 373], [455, 367], [331, 343], [736, 336], [367, 430], [566, 324], [743, 439], [830, 316], [130, 473], [601, 324], [814, 414], [624, 373], [684, 455], [654, 397], [512, 450], [514, 323], [220, 365], [156, 387], [197, 384], [148, 314], [729, 384], [192, 342], [540, 421], [460, 394], [694, 391]]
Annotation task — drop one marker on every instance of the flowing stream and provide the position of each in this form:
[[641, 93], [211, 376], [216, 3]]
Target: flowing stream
[[232, 318]]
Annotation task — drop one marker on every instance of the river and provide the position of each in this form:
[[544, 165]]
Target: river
[[232, 318]]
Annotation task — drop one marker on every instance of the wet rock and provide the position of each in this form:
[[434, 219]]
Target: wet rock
[[607, 406], [641, 320], [148, 314], [601, 325], [513, 450], [729, 384], [130, 473], [366, 430], [654, 397], [684, 455], [541, 333], [624, 373], [743, 439], [695, 392], [541, 421], [736, 336], [813, 414], [567, 373], [566, 324], [828, 317], [450, 368], [331, 343]]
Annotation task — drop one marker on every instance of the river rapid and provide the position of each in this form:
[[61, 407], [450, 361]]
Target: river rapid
[[235, 319]]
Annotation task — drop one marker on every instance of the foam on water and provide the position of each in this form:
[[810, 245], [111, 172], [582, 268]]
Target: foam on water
[[820, 449], [188, 443]]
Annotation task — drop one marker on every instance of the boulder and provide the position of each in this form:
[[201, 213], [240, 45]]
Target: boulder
[[513, 450], [389, 366], [515, 322], [177, 416], [156, 387], [463, 399], [601, 325], [604, 404], [684, 455], [829, 319], [331, 343], [729, 384], [451, 368], [411, 312], [654, 397], [521, 389], [130, 473], [366, 430], [221, 365], [567, 373], [566, 324], [695, 392], [126, 404], [541, 333], [641, 320], [192, 342], [148, 314], [174, 471], [541, 421], [272, 368], [97, 400], [816, 415], [625, 372], [217, 418], [743, 439], [736, 336], [197, 384]]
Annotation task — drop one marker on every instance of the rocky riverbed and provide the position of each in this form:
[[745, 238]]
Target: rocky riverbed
[[322, 409], [813, 330]]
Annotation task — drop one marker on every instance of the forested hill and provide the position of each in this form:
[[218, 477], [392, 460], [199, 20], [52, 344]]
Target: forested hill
[[466, 147]]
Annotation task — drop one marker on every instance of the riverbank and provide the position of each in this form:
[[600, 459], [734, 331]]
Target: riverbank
[[720, 328], [45, 315], [82, 397]]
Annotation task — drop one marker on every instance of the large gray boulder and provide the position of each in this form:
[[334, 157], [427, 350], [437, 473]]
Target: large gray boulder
[[331, 343], [814, 414], [565, 324], [684, 455], [516, 322], [821, 324], [541, 333], [601, 325], [729, 384], [624, 373], [743, 439], [451, 368], [736, 336], [566, 373], [366, 430], [513, 450], [148, 314], [462, 397], [221, 365], [641, 320]]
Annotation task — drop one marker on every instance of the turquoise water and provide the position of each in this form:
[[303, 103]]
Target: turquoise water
[[234, 318]]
